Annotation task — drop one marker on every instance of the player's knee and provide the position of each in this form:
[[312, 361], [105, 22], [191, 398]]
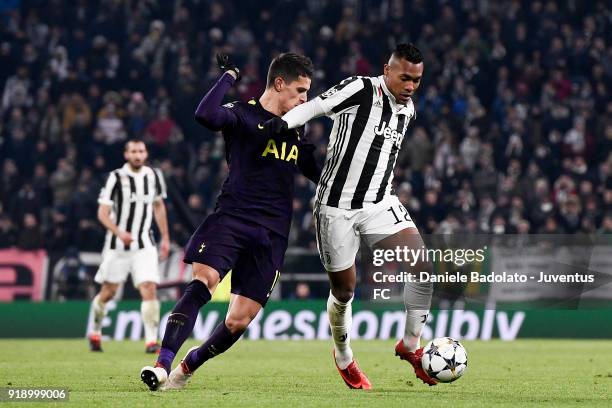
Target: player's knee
[[211, 284], [107, 293], [343, 294], [420, 266], [237, 324], [207, 275], [148, 291]]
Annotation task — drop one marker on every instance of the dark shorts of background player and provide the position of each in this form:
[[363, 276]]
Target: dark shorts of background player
[[254, 253]]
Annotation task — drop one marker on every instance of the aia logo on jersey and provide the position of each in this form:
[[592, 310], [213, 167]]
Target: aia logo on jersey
[[281, 151], [388, 133]]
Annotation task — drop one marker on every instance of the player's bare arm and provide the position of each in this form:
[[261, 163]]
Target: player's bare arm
[[104, 216], [296, 117], [329, 103], [159, 212]]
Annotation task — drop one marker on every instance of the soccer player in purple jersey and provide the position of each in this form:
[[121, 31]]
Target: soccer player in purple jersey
[[248, 231]]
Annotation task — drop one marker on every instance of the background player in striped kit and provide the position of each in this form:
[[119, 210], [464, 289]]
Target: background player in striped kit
[[131, 197], [355, 198]]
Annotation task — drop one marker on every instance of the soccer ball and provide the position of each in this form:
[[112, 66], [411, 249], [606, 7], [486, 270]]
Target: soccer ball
[[444, 359]]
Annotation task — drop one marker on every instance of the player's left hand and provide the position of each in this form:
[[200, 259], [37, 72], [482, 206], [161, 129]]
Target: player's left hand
[[225, 64], [275, 126], [164, 249]]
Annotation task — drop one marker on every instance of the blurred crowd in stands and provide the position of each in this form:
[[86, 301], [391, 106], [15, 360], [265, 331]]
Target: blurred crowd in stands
[[514, 117]]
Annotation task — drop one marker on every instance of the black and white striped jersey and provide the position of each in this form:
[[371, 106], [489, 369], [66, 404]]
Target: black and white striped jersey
[[131, 195], [364, 142]]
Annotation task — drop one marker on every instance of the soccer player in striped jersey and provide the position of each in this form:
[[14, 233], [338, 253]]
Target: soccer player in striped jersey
[[355, 199], [248, 232], [132, 196]]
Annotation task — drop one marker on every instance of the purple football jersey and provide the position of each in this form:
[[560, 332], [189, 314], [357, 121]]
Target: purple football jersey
[[259, 186], [261, 168]]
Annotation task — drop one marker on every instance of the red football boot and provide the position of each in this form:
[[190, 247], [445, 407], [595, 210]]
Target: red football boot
[[415, 360], [353, 376], [152, 348], [95, 342]]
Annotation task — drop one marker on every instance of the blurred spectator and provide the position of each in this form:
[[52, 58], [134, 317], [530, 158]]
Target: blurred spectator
[[29, 236], [110, 122], [17, 90], [606, 225], [160, 130], [62, 182], [26, 201], [302, 291], [73, 281], [8, 232], [196, 207], [58, 236], [10, 180], [137, 112]]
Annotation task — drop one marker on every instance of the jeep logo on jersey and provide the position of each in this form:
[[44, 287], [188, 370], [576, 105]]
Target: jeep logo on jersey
[[388, 133], [133, 198]]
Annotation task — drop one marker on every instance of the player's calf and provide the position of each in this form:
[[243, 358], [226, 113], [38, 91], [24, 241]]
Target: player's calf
[[182, 319]]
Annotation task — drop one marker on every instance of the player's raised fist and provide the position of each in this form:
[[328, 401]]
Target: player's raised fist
[[275, 126], [225, 63]]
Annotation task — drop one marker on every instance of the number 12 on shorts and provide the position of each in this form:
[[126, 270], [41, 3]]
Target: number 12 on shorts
[[403, 210]]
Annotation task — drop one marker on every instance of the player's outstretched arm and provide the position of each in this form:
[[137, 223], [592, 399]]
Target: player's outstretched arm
[[296, 117], [301, 114], [345, 95], [210, 113]]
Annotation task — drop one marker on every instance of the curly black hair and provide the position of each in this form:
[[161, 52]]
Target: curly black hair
[[409, 52]]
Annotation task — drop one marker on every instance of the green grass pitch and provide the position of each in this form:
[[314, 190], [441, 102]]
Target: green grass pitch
[[301, 373]]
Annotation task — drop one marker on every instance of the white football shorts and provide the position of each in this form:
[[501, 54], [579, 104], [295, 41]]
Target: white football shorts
[[339, 230], [117, 264]]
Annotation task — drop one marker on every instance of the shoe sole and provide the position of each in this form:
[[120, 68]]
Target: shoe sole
[[352, 387], [148, 377], [95, 347]]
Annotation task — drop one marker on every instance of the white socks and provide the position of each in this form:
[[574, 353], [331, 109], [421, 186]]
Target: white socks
[[415, 320], [149, 310], [99, 312], [340, 320]]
